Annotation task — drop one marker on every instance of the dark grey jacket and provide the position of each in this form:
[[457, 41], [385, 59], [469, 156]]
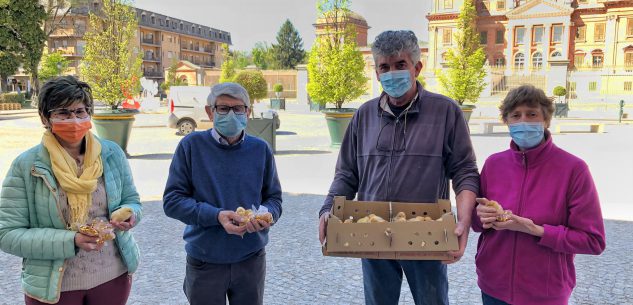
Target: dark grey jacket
[[408, 159]]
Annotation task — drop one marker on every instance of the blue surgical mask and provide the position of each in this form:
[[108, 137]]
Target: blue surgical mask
[[230, 124], [396, 83], [527, 135]]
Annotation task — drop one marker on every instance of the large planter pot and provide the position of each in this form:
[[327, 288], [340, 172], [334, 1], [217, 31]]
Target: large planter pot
[[278, 103], [467, 110], [264, 129], [115, 125], [337, 122], [561, 110]]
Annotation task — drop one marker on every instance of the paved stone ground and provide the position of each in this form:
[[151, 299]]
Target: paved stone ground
[[298, 273]]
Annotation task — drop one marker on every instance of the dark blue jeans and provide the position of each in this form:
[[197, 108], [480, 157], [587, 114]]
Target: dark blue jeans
[[382, 280], [212, 284], [488, 300]]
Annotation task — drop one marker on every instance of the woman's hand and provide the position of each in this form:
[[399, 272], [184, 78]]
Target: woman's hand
[[124, 225], [487, 215], [87, 243], [519, 224]]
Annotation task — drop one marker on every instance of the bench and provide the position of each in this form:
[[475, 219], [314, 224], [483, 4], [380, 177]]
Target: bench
[[488, 127], [593, 127]]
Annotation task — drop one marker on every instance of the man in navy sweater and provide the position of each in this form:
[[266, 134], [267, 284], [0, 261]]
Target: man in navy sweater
[[212, 173]]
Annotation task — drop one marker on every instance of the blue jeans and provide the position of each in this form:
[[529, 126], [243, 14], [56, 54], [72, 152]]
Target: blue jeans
[[382, 280], [488, 300]]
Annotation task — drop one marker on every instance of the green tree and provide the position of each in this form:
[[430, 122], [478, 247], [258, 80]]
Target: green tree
[[172, 79], [52, 65], [241, 58], [336, 66], [9, 63], [263, 57], [288, 52], [56, 12], [464, 78], [228, 66], [559, 91], [110, 67], [21, 34], [254, 83]]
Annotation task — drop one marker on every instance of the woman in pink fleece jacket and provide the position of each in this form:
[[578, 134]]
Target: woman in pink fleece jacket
[[529, 258]]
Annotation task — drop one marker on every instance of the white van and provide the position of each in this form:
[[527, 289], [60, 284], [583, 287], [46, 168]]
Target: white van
[[186, 108]]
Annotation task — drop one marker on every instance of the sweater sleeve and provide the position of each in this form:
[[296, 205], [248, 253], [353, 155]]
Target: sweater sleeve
[[461, 164], [16, 235], [271, 190], [178, 202], [584, 232], [475, 221], [346, 174]]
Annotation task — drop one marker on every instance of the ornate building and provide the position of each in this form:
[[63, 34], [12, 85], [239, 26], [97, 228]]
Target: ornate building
[[583, 45]]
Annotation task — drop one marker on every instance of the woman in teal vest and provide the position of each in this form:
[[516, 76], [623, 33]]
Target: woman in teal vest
[[51, 195]]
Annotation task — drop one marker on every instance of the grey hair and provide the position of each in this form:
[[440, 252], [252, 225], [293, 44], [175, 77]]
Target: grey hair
[[390, 43], [233, 90]]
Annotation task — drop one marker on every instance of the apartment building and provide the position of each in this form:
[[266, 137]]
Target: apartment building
[[531, 41], [162, 40]]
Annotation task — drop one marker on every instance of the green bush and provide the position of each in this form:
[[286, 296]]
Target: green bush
[[254, 83], [278, 87], [12, 97], [560, 91]]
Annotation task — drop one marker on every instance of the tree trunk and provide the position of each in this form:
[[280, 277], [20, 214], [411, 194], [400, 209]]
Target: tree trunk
[[3, 83]]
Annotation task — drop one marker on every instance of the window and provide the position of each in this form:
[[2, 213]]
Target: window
[[181, 27], [581, 33], [628, 59], [556, 54], [519, 61], [598, 33], [483, 37], [597, 60], [538, 34], [64, 43], [162, 22], [153, 19], [579, 59], [583, 1], [447, 36], [593, 86], [520, 35], [500, 61], [629, 27], [557, 31], [501, 5], [499, 37], [169, 38], [169, 54], [537, 60], [628, 86], [448, 4], [142, 18]]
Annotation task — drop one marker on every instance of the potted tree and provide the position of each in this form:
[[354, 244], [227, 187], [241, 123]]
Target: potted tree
[[336, 68], [278, 102], [561, 108], [112, 69], [255, 84], [463, 80]]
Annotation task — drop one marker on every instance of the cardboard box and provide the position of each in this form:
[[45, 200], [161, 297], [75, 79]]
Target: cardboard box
[[420, 240]]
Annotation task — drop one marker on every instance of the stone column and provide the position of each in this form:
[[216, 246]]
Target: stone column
[[302, 85], [509, 37], [547, 28], [565, 42], [527, 48], [611, 33]]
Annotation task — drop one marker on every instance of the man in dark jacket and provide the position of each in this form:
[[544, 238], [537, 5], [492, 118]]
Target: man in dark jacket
[[405, 146]]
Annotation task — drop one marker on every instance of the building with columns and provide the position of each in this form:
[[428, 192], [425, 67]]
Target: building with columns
[[583, 45]]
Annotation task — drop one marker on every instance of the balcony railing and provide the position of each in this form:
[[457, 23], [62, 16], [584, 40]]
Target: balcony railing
[[150, 58], [152, 73], [69, 31], [148, 41]]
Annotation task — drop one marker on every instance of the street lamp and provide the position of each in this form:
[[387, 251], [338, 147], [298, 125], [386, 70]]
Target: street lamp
[[59, 69]]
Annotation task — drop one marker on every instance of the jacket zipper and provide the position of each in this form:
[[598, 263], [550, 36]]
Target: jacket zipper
[[514, 246], [393, 140]]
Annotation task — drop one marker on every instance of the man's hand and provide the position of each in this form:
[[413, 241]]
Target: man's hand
[[323, 227], [87, 243], [487, 214], [256, 225], [461, 230], [124, 225], [228, 219], [519, 224]]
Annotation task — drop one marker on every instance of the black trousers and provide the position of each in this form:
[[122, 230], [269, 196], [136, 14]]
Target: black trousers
[[241, 283]]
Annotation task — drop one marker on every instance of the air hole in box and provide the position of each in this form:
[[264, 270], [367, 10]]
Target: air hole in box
[[430, 233], [444, 210], [355, 210], [410, 243], [338, 207], [425, 213], [413, 213], [437, 242], [371, 243]]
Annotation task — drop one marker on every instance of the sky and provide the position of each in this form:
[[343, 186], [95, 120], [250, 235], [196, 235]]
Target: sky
[[251, 21]]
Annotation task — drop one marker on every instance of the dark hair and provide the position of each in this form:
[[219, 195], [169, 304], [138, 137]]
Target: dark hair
[[62, 92], [530, 96]]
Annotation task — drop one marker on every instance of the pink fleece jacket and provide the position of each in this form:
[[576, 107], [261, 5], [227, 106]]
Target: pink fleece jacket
[[555, 190]]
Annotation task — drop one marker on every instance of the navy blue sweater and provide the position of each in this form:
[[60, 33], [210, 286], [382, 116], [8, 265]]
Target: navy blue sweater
[[205, 178]]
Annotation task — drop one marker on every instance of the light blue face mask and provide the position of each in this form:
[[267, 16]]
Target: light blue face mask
[[527, 135], [396, 83], [230, 124]]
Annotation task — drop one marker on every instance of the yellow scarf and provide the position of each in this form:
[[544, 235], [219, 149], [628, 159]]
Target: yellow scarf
[[78, 188]]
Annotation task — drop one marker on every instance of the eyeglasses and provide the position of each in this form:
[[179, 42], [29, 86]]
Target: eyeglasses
[[223, 109], [63, 113]]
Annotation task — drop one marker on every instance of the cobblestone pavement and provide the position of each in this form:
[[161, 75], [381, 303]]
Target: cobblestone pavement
[[297, 273]]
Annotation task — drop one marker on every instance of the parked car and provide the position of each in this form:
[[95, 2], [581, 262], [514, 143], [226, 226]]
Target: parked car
[[186, 108]]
